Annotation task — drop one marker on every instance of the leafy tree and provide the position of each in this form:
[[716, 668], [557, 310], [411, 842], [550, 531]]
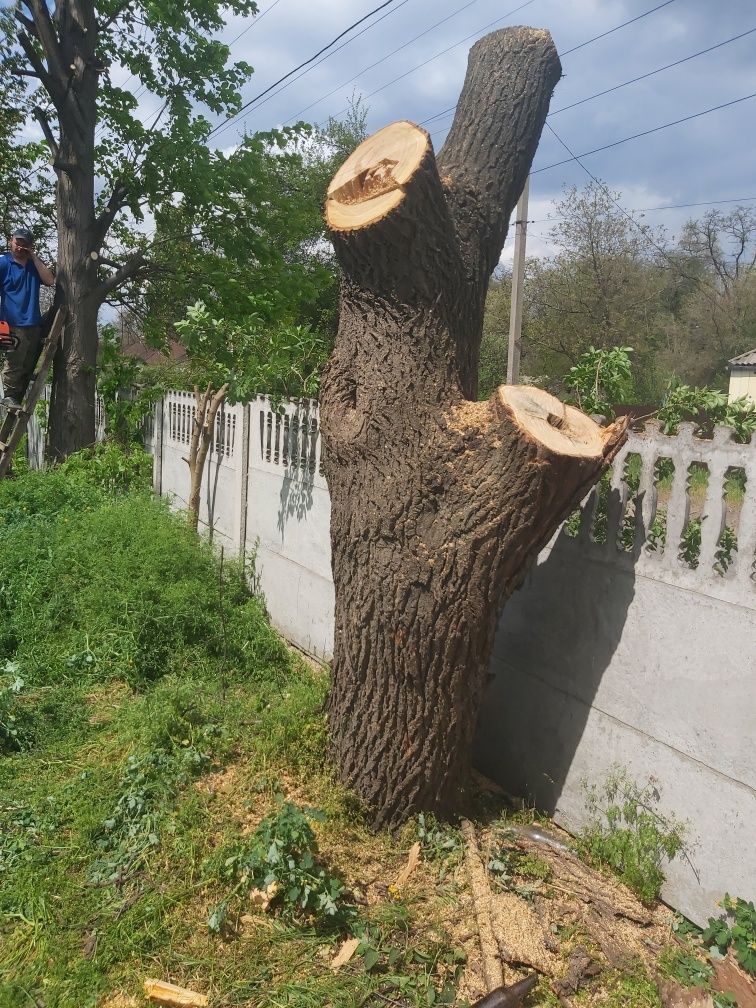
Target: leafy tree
[[605, 287], [111, 168], [25, 196], [264, 238], [717, 316], [601, 379]]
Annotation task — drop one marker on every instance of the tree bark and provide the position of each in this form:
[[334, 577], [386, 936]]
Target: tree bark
[[439, 503], [208, 403]]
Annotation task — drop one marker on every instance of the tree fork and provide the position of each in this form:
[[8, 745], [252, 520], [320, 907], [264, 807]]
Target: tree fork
[[439, 503]]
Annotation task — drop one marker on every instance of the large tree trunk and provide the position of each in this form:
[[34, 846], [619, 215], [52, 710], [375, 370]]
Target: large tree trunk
[[72, 409], [439, 503]]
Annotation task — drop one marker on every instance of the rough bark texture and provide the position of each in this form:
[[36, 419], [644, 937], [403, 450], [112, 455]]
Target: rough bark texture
[[203, 430], [60, 44], [439, 504]]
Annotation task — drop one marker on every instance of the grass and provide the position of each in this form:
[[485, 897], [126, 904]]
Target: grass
[[152, 735], [155, 735]]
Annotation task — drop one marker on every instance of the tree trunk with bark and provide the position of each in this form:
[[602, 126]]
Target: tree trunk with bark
[[439, 503], [203, 429], [61, 47]]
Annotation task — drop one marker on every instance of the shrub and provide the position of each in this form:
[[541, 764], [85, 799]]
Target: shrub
[[281, 860], [98, 586], [627, 834]]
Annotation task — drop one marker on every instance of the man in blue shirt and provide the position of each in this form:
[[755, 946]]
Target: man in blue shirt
[[21, 273]]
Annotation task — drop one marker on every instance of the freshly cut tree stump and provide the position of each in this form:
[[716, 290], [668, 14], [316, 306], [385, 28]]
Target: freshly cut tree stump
[[439, 503]]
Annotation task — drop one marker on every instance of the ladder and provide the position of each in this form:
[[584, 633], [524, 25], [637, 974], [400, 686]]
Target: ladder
[[14, 425]]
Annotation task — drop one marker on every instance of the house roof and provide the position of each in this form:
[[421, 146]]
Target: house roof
[[138, 349], [746, 360]]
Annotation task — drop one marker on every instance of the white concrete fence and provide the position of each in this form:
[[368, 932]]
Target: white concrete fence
[[615, 651]]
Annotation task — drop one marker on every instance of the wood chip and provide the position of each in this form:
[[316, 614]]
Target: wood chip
[[674, 996], [413, 861], [172, 996], [262, 898], [345, 953]]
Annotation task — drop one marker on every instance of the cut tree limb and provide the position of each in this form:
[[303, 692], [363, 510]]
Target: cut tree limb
[[493, 975], [439, 504]]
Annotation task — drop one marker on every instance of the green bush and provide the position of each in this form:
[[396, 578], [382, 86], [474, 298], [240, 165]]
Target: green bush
[[627, 834], [736, 928], [281, 857], [96, 586]]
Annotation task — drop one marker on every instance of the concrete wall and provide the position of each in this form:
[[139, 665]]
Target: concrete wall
[[264, 495], [606, 656]]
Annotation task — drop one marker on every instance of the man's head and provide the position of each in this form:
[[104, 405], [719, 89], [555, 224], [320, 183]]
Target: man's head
[[22, 242]]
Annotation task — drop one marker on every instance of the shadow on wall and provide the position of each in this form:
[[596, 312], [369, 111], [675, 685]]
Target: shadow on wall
[[555, 640], [300, 437]]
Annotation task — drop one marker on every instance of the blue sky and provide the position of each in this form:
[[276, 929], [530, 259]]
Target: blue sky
[[709, 158]]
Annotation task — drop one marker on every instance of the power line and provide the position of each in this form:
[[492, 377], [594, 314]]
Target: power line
[[254, 21], [635, 136], [445, 51], [328, 56], [383, 59], [651, 73], [307, 62], [671, 206], [617, 28], [445, 112], [644, 230]]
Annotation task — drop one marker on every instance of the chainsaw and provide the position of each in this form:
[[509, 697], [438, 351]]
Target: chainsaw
[[7, 340]]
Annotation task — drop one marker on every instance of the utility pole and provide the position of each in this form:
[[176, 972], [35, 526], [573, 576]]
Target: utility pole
[[518, 277]]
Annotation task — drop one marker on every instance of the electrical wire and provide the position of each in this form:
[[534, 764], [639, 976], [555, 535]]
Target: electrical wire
[[651, 73], [643, 230], [445, 51], [382, 60], [635, 136], [230, 119], [617, 28], [617, 87], [671, 206], [254, 21], [343, 45]]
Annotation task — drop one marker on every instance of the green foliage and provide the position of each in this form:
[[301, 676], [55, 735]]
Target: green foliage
[[685, 967], [439, 842], [281, 856], [735, 929], [107, 466], [149, 782], [280, 360], [12, 713], [601, 379], [627, 834], [422, 976], [128, 389], [99, 587], [517, 871], [706, 407]]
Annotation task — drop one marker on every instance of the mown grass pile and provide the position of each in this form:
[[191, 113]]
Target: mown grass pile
[[157, 741]]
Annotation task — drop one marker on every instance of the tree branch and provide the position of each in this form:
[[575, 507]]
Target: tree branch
[[493, 139], [52, 143], [124, 272], [49, 39], [33, 56], [115, 15], [116, 202]]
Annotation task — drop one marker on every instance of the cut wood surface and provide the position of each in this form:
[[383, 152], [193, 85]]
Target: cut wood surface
[[482, 897], [439, 503], [172, 996]]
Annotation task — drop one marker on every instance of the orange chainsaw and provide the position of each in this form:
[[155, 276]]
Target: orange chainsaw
[[7, 340]]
